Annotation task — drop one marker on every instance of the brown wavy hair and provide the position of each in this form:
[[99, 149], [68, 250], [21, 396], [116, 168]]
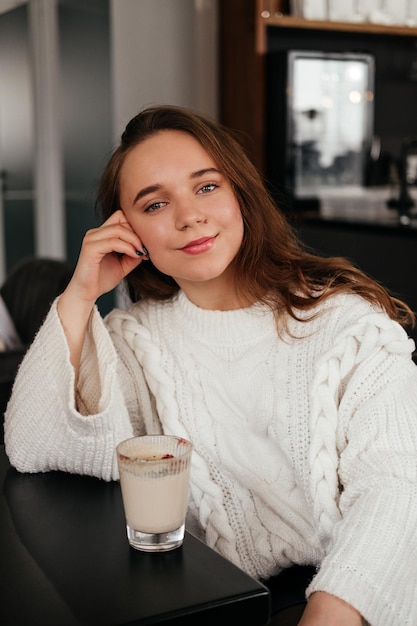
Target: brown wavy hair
[[272, 265]]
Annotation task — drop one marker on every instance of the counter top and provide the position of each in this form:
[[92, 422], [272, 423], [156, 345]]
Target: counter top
[[364, 207]]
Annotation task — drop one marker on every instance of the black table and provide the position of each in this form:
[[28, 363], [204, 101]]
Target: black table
[[65, 561]]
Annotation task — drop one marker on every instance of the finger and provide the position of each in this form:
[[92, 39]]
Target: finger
[[120, 218], [114, 238], [129, 264]]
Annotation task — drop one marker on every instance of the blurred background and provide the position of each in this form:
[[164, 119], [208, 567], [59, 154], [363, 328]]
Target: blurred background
[[72, 74]]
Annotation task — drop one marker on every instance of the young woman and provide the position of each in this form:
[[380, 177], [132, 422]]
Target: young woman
[[290, 373]]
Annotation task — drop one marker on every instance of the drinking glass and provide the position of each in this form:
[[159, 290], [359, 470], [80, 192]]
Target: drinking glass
[[154, 475]]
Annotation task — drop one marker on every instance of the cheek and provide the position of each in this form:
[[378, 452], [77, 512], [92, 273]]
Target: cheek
[[236, 220], [155, 232], [239, 236], [148, 230]]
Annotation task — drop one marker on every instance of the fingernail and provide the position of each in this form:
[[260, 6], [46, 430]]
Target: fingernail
[[145, 251], [139, 253]]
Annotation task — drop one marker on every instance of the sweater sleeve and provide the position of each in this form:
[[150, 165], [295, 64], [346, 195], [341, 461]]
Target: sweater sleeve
[[45, 429], [371, 555]]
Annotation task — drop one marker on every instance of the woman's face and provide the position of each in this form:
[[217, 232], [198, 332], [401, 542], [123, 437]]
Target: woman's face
[[183, 209]]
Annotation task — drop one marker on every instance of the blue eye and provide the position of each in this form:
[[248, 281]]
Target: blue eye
[[154, 206], [208, 187]]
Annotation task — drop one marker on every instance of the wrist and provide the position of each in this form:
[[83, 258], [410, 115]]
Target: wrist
[[325, 609]]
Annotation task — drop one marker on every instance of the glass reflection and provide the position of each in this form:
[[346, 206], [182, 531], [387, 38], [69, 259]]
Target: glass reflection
[[330, 100]]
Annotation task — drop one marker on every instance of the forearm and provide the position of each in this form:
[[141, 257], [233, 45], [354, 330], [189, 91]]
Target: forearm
[[44, 428], [74, 315]]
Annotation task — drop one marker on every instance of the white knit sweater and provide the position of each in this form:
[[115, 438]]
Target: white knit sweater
[[305, 446]]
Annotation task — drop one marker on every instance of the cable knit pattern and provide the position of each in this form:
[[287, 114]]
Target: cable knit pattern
[[305, 445], [356, 344], [162, 387]]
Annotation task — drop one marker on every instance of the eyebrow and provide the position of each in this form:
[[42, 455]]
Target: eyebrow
[[207, 170], [145, 191], [152, 188]]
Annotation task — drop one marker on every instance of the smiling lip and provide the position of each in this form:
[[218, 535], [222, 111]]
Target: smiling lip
[[198, 246]]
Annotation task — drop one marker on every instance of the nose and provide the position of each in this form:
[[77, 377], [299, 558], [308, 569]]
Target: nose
[[188, 213]]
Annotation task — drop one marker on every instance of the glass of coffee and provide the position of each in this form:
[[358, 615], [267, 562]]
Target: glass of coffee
[[154, 475]]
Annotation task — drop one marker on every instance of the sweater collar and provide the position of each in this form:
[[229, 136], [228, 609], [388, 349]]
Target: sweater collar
[[240, 325]]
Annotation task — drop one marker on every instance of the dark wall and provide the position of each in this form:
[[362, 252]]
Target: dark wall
[[389, 255]]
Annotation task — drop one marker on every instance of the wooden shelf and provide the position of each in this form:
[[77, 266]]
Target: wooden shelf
[[288, 21]]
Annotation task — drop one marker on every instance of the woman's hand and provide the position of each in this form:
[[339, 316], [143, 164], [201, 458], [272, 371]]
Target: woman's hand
[[108, 254], [324, 609]]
